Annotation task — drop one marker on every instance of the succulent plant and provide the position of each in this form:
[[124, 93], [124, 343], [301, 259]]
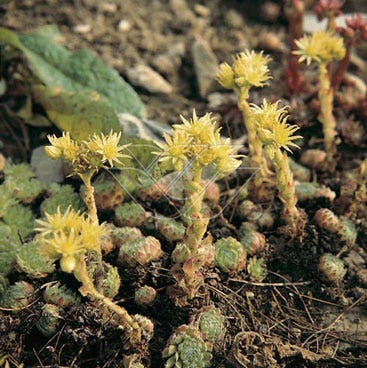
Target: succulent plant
[[186, 349], [20, 219], [6, 200], [129, 214], [256, 269], [347, 231], [111, 282], [145, 295], [49, 320], [170, 229], [301, 173], [211, 324], [17, 296], [146, 325], [9, 243], [108, 193], [106, 244], [123, 235], [3, 284], [230, 255], [19, 180], [252, 241], [30, 261], [140, 251], [306, 191], [332, 267], [62, 197], [343, 227], [327, 220], [212, 192], [153, 191], [60, 295]]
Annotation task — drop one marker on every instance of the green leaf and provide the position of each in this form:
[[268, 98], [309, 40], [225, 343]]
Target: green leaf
[[79, 75], [77, 71], [80, 113]]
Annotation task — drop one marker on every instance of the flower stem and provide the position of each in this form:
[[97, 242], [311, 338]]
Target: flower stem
[[326, 117], [286, 187], [81, 274], [89, 197]]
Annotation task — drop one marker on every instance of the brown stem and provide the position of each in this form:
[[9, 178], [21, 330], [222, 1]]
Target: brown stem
[[81, 274], [341, 67]]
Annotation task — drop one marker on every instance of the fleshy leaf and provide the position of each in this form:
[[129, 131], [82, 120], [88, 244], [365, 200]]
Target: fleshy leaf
[[79, 113]]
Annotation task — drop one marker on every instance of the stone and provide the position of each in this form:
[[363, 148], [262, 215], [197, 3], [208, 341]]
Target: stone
[[145, 77], [205, 65], [47, 170]]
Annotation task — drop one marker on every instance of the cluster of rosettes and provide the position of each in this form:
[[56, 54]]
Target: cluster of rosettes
[[321, 47], [273, 130], [195, 144], [249, 69], [67, 235], [88, 155]]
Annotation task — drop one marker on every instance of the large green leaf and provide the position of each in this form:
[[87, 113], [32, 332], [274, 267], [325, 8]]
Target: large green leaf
[[55, 66], [80, 113]]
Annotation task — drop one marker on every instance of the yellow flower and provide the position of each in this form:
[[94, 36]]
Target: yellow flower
[[272, 126], [225, 76], [202, 130], [66, 236], [108, 146], [58, 221], [251, 69], [175, 151], [321, 47], [62, 146]]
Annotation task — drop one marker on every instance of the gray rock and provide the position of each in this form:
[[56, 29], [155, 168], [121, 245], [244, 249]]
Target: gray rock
[[206, 66], [145, 77], [47, 170]]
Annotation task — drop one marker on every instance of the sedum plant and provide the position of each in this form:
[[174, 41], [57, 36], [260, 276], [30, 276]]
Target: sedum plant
[[186, 348], [86, 158], [68, 237], [276, 135], [249, 69], [322, 48], [189, 149]]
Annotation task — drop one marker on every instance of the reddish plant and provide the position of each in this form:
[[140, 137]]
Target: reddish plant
[[354, 31], [329, 9], [294, 11]]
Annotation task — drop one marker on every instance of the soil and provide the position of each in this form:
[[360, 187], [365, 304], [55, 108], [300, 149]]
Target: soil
[[293, 318]]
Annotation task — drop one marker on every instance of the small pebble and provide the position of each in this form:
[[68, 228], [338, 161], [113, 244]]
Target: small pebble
[[124, 25], [271, 41], [234, 19], [109, 7], [145, 77], [82, 28], [201, 10]]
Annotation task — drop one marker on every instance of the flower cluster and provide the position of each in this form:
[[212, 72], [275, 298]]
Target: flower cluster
[[67, 235], [87, 155], [196, 143], [325, 8], [249, 69], [321, 47], [272, 127]]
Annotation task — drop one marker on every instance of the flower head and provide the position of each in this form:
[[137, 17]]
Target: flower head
[[66, 236], [225, 76], [273, 130], [325, 8], [107, 146], [321, 47], [250, 68], [62, 146], [197, 142]]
